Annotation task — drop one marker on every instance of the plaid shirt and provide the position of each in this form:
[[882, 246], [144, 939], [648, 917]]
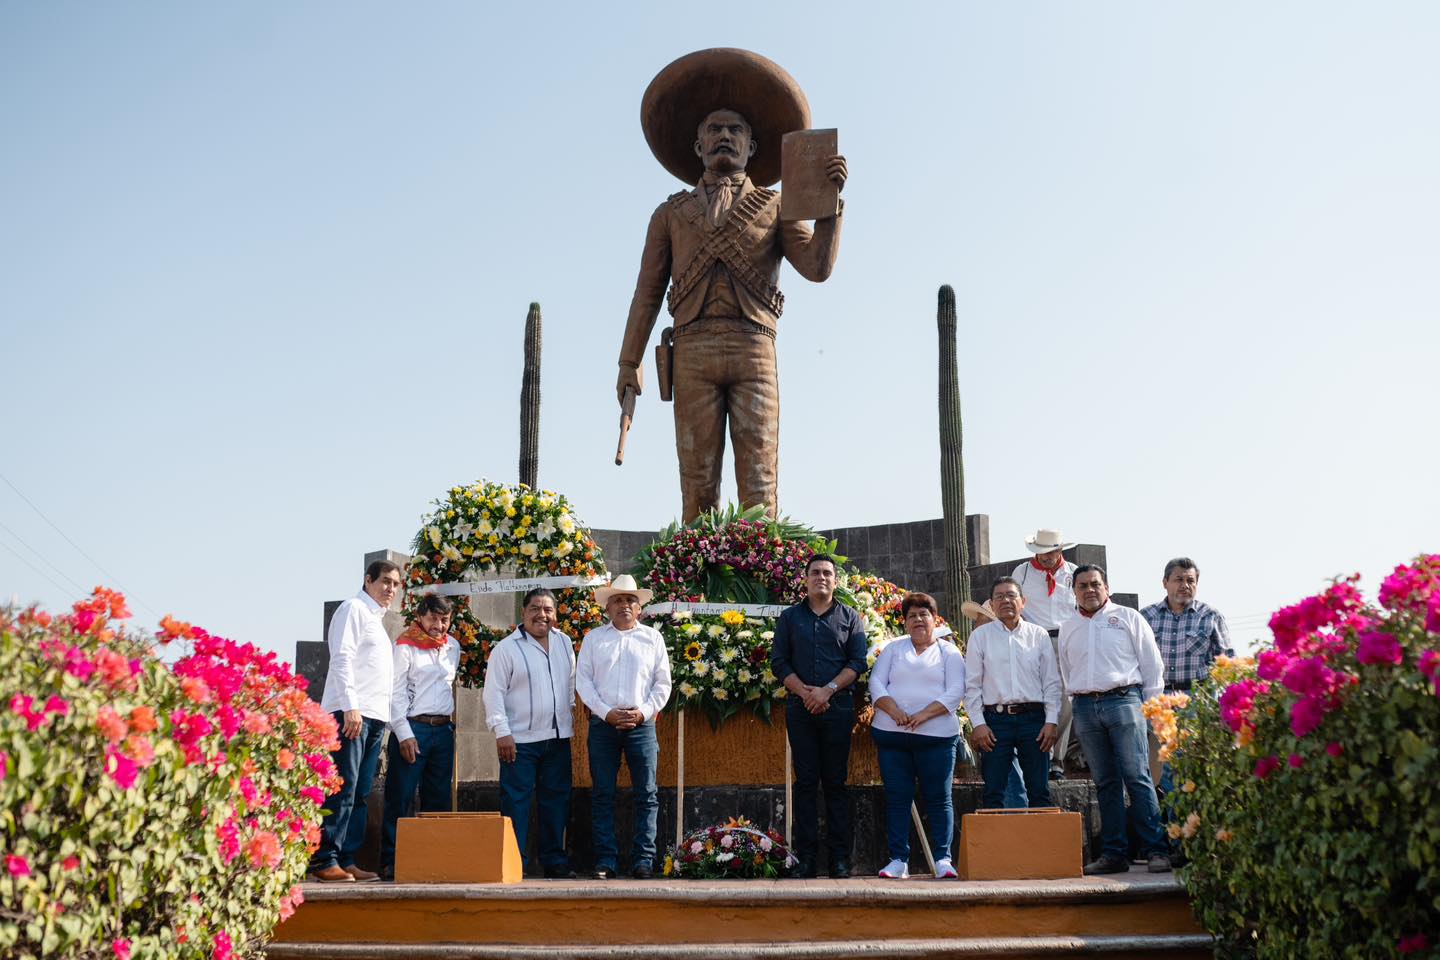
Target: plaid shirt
[[1190, 642]]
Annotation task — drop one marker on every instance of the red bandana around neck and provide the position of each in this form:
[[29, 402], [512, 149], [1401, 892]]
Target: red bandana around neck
[[415, 636], [1049, 573]]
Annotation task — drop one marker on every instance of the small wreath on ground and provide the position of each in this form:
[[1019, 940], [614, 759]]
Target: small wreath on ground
[[493, 529], [735, 849]]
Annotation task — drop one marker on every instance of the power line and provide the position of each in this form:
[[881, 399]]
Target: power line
[[37, 553], [108, 575], [42, 573]]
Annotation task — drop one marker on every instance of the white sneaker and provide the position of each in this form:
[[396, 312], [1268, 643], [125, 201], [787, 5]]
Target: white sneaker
[[896, 870], [945, 870]]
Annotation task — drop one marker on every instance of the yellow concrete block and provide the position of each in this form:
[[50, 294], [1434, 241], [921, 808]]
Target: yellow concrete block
[[1043, 843], [457, 848]]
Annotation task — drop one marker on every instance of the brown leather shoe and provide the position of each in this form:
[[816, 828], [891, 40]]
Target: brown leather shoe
[[332, 874], [361, 876]]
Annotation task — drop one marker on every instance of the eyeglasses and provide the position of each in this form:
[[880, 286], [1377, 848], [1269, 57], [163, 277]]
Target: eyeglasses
[[1006, 596]]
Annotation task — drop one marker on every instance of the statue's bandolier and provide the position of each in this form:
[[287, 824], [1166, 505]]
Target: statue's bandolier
[[722, 245]]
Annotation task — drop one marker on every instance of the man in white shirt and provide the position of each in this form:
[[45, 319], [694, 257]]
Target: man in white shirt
[[1046, 580], [1012, 694], [623, 677], [422, 721], [530, 707], [357, 693], [1111, 665]]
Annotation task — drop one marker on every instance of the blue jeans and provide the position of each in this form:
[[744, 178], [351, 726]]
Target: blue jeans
[[1015, 797], [431, 772], [1015, 735], [342, 832], [1112, 733], [541, 770], [642, 755], [820, 753], [906, 758]]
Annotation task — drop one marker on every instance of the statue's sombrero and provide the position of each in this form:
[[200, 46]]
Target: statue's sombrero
[[687, 90]]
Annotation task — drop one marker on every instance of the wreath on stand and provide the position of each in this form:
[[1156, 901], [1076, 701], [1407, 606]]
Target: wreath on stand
[[491, 529]]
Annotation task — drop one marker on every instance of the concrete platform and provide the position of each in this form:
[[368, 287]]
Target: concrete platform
[[1128, 915]]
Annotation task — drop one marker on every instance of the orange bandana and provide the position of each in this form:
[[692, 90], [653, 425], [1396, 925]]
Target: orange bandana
[[1049, 574], [415, 636]]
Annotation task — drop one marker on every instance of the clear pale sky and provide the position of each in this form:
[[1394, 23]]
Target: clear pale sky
[[264, 270]]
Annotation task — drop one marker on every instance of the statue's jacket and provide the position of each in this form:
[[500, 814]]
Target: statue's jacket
[[682, 248]]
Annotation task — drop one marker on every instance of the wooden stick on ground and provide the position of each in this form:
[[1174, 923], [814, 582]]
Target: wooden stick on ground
[[920, 829]]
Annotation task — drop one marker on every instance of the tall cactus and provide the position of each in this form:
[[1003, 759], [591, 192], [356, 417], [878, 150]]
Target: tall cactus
[[530, 402], [952, 468]]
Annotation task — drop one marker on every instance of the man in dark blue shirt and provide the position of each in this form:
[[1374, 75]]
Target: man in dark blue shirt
[[819, 653]]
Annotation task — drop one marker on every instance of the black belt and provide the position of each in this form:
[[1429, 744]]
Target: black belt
[[431, 719], [1030, 707], [1114, 691], [1179, 685]]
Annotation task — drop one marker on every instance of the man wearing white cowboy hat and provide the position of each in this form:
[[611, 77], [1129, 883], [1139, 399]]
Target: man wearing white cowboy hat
[[1045, 581], [623, 677]]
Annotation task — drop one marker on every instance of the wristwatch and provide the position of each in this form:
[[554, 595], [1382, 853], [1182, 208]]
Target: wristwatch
[[832, 686]]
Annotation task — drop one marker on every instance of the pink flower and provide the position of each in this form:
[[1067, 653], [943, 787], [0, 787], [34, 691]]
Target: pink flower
[[1296, 761], [1305, 715], [56, 705], [71, 862], [111, 725], [121, 948], [1334, 749], [1266, 766], [4, 765], [16, 865], [247, 790], [1271, 664], [228, 833], [1379, 647], [264, 850], [121, 768], [314, 794], [139, 749], [195, 690], [222, 946], [1413, 943]]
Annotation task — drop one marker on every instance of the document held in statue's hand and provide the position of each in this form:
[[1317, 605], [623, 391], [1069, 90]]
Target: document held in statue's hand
[[806, 192]]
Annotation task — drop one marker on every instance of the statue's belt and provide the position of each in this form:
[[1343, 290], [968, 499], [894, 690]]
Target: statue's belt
[[723, 246]]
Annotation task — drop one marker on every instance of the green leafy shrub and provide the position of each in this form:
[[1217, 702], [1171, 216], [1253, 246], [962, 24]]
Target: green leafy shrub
[[1308, 780], [150, 811]]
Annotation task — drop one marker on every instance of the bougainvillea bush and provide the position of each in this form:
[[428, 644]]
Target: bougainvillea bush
[[146, 810], [1308, 780]]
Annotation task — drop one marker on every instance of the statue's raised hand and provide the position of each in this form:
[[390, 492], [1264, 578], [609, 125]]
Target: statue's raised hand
[[835, 169]]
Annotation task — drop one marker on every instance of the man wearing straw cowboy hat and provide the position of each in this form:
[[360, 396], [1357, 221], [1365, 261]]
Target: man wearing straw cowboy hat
[[714, 119], [1045, 582], [623, 677]]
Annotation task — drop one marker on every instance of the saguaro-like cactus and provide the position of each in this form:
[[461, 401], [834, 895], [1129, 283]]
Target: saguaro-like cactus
[[530, 402], [952, 469]]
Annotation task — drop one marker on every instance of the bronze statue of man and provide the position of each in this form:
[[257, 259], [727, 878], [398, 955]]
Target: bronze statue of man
[[715, 119]]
